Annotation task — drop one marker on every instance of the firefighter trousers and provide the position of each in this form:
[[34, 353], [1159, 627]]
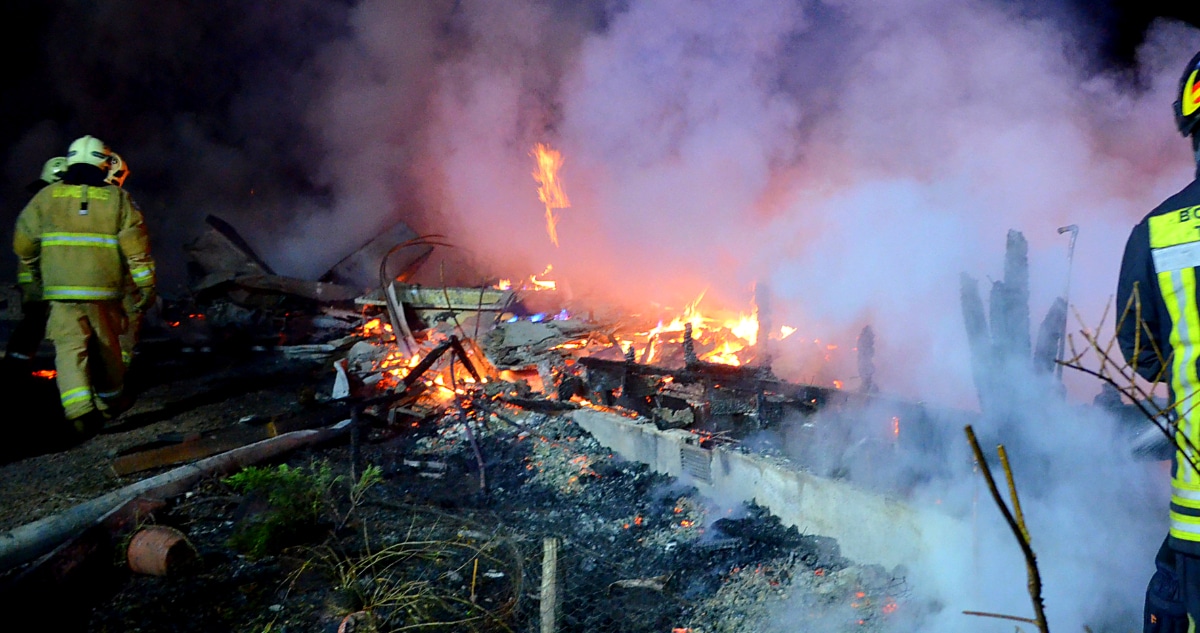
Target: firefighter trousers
[[87, 354]]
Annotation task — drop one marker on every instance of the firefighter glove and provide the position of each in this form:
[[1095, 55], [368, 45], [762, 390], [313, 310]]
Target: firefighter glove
[[145, 300]]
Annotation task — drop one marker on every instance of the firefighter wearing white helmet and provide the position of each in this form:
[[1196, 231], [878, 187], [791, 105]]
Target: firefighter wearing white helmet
[[28, 334], [79, 237], [52, 172]]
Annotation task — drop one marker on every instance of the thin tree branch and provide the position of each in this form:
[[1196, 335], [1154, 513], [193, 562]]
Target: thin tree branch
[[1035, 578]]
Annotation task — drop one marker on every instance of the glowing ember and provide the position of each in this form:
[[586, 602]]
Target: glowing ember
[[376, 327], [48, 374], [550, 190], [896, 426], [837, 384]]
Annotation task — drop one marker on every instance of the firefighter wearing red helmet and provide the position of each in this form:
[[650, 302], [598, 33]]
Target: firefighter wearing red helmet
[[1159, 333], [78, 238], [117, 173]]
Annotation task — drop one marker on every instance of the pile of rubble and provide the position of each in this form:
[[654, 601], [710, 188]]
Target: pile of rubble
[[461, 396]]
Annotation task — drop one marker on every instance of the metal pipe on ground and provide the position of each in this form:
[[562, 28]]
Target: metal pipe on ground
[[27, 542]]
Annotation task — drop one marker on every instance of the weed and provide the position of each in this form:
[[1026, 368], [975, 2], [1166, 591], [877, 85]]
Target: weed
[[301, 504]]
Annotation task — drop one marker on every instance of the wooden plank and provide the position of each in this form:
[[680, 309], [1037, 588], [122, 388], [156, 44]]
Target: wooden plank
[[190, 451], [550, 597]]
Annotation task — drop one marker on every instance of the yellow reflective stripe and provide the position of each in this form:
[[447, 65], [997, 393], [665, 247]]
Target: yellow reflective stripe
[[1185, 527], [73, 396], [1175, 227], [142, 274], [76, 191], [25, 277], [1179, 295], [100, 240], [83, 293]]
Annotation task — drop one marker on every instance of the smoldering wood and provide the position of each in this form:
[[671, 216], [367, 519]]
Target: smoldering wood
[[762, 313], [1000, 342], [1010, 301], [521, 344], [1049, 338], [711, 388], [978, 340], [866, 360]]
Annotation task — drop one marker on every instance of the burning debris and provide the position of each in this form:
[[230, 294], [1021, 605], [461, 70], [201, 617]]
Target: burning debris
[[468, 386]]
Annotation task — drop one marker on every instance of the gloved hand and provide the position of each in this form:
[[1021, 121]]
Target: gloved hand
[[146, 300]]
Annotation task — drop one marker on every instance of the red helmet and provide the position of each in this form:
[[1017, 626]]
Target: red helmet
[[1187, 103], [118, 170]]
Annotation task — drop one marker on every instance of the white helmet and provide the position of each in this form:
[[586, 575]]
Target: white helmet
[[89, 150], [54, 169], [118, 171]]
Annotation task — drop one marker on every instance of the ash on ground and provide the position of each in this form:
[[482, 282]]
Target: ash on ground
[[637, 550]]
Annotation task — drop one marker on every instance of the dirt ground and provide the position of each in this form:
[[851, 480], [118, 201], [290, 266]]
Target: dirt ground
[[636, 551]]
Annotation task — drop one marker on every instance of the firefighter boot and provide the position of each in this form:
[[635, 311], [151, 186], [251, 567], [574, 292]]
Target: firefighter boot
[[88, 425]]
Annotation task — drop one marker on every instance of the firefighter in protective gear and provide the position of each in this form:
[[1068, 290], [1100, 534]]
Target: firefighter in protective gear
[[1159, 335], [28, 335], [52, 172], [79, 237], [118, 171], [131, 299]]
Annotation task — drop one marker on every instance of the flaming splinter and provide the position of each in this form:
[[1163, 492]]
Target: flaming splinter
[[550, 190]]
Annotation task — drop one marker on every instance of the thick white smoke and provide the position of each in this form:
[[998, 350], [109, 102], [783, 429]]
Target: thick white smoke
[[855, 156]]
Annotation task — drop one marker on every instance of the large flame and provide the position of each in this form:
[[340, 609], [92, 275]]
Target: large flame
[[550, 190], [729, 338]]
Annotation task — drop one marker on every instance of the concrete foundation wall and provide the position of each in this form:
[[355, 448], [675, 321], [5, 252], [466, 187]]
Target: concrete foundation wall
[[869, 527]]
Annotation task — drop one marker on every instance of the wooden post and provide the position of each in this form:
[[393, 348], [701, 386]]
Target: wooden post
[[550, 585]]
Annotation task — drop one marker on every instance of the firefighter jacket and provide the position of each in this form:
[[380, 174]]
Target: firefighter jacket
[[78, 240], [30, 292], [1159, 334]]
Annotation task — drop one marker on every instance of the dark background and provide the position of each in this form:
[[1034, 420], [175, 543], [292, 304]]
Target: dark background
[[205, 99]]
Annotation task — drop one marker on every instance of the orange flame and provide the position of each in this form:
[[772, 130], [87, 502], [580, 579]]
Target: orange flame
[[550, 190], [545, 284]]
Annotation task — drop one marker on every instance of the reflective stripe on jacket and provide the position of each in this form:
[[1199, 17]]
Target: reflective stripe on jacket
[[78, 241], [1159, 334]]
